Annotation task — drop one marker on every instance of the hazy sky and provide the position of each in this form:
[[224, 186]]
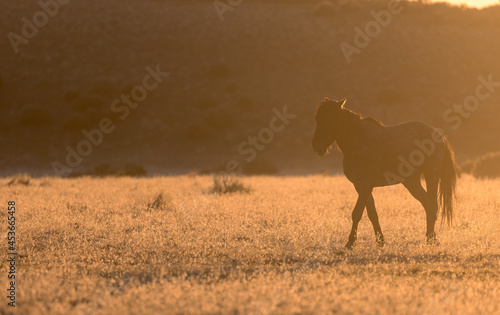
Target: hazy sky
[[473, 3]]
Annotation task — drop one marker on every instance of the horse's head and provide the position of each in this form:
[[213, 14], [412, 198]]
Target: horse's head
[[327, 115]]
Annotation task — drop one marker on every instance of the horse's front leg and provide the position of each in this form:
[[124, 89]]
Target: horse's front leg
[[372, 214], [364, 193]]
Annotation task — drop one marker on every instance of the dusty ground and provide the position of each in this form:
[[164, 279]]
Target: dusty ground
[[111, 246]]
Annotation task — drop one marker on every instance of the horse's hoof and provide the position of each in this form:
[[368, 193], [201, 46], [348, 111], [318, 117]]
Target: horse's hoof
[[380, 241], [349, 246], [432, 240]]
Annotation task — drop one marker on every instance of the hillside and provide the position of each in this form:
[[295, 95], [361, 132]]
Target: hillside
[[225, 77]]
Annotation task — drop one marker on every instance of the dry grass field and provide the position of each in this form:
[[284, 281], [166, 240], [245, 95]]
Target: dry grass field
[[115, 246]]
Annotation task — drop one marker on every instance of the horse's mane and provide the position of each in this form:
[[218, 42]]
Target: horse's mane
[[357, 117], [373, 120], [353, 116]]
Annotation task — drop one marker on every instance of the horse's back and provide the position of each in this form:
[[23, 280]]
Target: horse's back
[[412, 133], [388, 146], [413, 127]]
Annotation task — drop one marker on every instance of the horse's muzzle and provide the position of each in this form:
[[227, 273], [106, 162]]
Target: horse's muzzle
[[318, 149]]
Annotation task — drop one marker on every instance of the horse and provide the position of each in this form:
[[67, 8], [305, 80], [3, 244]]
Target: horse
[[377, 155]]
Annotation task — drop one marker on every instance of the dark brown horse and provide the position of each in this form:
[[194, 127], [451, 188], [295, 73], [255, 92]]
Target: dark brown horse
[[376, 155]]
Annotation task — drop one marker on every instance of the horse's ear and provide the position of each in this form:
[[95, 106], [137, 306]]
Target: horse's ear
[[342, 102]]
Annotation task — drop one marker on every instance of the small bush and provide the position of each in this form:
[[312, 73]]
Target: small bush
[[225, 184], [106, 170], [133, 170], [103, 170], [34, 116], [205, 171], [260, 168], [162, 202], [487, 166], [20, 179]]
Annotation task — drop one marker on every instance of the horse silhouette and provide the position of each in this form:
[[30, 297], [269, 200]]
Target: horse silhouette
[[377, 155]]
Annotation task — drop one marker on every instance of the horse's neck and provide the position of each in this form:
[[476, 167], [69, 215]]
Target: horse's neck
[[350, 134]]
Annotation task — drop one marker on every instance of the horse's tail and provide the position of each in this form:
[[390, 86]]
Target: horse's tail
[[447, 184]]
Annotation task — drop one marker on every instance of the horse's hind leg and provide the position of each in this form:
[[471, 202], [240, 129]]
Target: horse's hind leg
[[417, 191], [372, 214], [432, 182]]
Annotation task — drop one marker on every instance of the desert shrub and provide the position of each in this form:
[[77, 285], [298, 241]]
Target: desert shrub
[[219, 70], [20, 179], [89, 101], [133, 170], [226, 184], [103, 170], [260, 168], [220, 120], [45, 183], [487, 166], [106, 170], [205, 171], [34, 116], [161, 202]]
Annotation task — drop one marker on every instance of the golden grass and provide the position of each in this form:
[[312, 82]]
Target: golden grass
[[100, 246]]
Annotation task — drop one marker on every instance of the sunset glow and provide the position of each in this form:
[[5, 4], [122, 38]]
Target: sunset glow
[[474, 3]]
